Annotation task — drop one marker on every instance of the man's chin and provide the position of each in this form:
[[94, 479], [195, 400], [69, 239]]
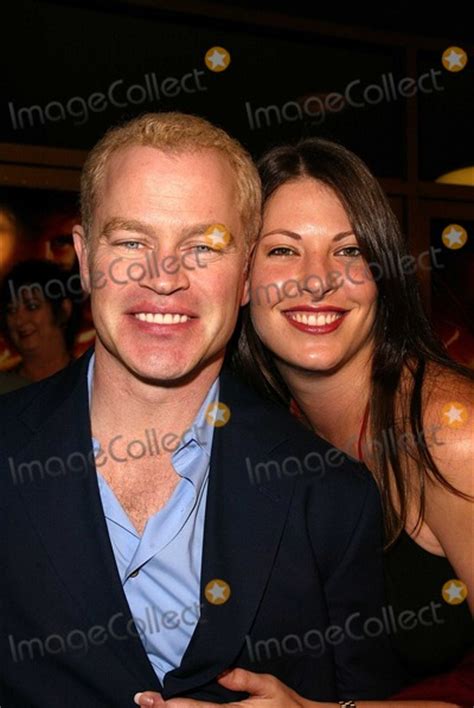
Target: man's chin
[[171, 373], [164, 367]]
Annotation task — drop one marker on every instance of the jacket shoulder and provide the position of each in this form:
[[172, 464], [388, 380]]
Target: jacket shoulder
[[40, 398]]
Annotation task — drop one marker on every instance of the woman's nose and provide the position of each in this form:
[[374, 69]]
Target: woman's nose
[[319, 277]]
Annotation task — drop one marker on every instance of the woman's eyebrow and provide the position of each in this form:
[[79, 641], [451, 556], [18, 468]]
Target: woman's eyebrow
[[285, 232], [342, 235], [293, 234]]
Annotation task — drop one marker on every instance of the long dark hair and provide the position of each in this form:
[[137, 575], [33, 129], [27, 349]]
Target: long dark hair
[[403, 337]]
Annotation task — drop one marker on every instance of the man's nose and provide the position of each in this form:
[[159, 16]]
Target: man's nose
[[166, 273]]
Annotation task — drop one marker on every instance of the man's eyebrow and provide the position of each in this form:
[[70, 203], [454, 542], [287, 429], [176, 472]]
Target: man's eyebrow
[[117, 223], [199, 229], [292, 234]]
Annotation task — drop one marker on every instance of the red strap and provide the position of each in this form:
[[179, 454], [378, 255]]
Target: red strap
[[363, 427]]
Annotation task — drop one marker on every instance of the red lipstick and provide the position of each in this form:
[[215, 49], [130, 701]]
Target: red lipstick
[[314, 323]]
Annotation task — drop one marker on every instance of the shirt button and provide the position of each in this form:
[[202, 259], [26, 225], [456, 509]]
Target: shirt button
[[134, 574]]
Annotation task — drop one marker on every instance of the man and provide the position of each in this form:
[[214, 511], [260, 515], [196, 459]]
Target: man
[[237, 538]]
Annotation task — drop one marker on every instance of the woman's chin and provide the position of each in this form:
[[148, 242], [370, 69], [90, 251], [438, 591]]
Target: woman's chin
[[310, 365]]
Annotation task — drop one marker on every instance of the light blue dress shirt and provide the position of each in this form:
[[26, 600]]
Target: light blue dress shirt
[[161, 570]]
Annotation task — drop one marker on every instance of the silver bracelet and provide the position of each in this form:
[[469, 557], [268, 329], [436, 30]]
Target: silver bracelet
[[347, 704]]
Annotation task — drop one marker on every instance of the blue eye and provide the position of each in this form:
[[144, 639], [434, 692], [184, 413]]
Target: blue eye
[[129, 243], [205, 248]]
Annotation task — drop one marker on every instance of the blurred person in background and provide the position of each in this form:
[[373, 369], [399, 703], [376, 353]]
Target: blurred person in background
[[38, 321]]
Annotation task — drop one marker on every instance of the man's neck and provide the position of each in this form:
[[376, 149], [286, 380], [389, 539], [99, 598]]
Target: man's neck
[[123, 404]]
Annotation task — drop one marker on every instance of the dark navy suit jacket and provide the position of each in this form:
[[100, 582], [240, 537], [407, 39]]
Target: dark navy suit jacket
[[299, 546]]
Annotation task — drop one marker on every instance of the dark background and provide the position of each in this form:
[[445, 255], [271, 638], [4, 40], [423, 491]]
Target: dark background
[[281, 52], [56, 51]]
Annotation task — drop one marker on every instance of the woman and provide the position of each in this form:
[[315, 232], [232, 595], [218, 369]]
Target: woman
[[336, 329], [38, 320]]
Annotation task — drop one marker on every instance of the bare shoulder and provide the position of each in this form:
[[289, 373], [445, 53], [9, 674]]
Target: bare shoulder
[[448, 401], [448, 404]]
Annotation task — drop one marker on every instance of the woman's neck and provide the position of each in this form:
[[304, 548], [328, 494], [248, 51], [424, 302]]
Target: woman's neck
[[333, 403], [41, 363]]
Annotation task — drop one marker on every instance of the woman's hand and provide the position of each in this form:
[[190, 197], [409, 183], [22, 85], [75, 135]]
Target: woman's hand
[[265, 691]]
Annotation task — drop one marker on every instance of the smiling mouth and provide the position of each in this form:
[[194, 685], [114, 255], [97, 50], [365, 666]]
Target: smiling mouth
[[317, 320], [168, 318]]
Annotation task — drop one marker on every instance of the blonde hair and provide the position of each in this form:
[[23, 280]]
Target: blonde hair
[[176, 133]]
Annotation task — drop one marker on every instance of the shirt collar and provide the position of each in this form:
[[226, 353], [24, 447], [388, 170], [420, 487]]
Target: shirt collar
[[200, 432]]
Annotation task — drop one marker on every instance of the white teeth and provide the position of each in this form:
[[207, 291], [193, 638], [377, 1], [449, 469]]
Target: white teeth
[[159, 318], [317, 320]]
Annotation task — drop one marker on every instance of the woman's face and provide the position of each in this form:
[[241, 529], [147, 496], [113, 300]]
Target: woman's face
[[31, 323], [313, 300]]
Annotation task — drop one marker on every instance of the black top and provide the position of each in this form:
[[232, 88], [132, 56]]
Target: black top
[[429, 634]]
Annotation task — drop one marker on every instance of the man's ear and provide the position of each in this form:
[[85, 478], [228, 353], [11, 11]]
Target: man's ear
[[66, 310], [81, 247], [246, 291]]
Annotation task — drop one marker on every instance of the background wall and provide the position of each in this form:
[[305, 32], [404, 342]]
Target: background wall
[[377, 82]]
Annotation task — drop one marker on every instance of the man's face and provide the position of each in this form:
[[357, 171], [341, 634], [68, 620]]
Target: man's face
[[164, 295]]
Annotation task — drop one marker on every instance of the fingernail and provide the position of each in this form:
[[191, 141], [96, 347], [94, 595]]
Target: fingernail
[[145, 701]]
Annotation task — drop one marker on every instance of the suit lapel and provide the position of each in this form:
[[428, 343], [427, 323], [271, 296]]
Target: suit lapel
[[244, 523], [243, 526], [63, 503]]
